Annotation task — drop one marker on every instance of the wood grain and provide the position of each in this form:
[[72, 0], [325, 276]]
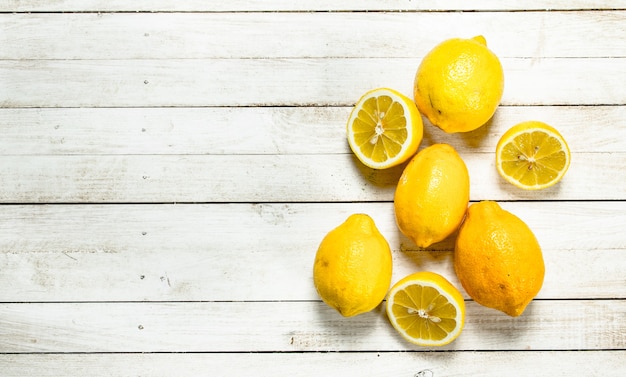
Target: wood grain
[[267, 130], [108, 36], [430, 364], [283, 82], [211, 252], [293, 326], [269, 178], [289, 6]]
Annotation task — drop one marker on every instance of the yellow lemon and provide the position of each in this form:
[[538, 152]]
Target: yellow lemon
[[352, 270], [384, 129], [498, 259], [532, 155], [459, 84], [432, 195], [426, 309]]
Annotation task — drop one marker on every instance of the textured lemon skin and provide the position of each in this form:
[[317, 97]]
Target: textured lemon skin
[[459, 84], [498, 259], [432, 195], [433, 279], [353, 266]]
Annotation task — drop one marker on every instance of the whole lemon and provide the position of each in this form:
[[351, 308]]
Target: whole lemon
[[498, 259], [352, 270], [432, 195], [459, 84]]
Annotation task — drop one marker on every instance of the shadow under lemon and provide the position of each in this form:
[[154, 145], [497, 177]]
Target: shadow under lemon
[[495, 329], [438, 257], [473, 140], [330, 330], [381, 178], [386, 178]]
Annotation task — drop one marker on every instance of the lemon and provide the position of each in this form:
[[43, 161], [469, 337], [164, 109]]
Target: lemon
[[352, 270], [532, 155], [426, 309], [384, 129], [459, 84], [432, 195], [498, 259]]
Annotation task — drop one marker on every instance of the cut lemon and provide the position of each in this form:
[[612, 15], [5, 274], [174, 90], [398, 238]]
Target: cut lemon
[[426, 309], [384, 129], [532, 155]]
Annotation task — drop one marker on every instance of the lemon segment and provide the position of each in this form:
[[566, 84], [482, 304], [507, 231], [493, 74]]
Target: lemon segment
[[426, 309], [384, 129], [532, 155]]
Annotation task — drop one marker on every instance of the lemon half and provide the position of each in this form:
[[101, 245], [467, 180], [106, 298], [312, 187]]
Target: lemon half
[[532, 155], [384, 129], [426, 309]]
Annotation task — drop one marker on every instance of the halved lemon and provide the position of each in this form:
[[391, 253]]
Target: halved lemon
[[532, 155], [384, 129], [426, 309]]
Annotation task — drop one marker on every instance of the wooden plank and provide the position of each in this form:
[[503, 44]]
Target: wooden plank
[[270, 82], [270, 178], [293, 326], [429, 364], [262, 35], [154, 274], [267, 130], [286, 5], [197, 252]]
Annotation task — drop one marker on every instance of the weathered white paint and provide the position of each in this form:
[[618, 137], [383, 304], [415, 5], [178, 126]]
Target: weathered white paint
[[267, 130], [188, 252], [294, 326], [298, 35], [402, 364], [269, 178], [238, 110], [292, 82], [287, 5]]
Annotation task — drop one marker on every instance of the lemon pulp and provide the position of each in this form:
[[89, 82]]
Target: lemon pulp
[[532, 155], [384, 128], [426, 309]]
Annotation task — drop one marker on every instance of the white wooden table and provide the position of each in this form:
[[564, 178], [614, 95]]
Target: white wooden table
[[168, 169]]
